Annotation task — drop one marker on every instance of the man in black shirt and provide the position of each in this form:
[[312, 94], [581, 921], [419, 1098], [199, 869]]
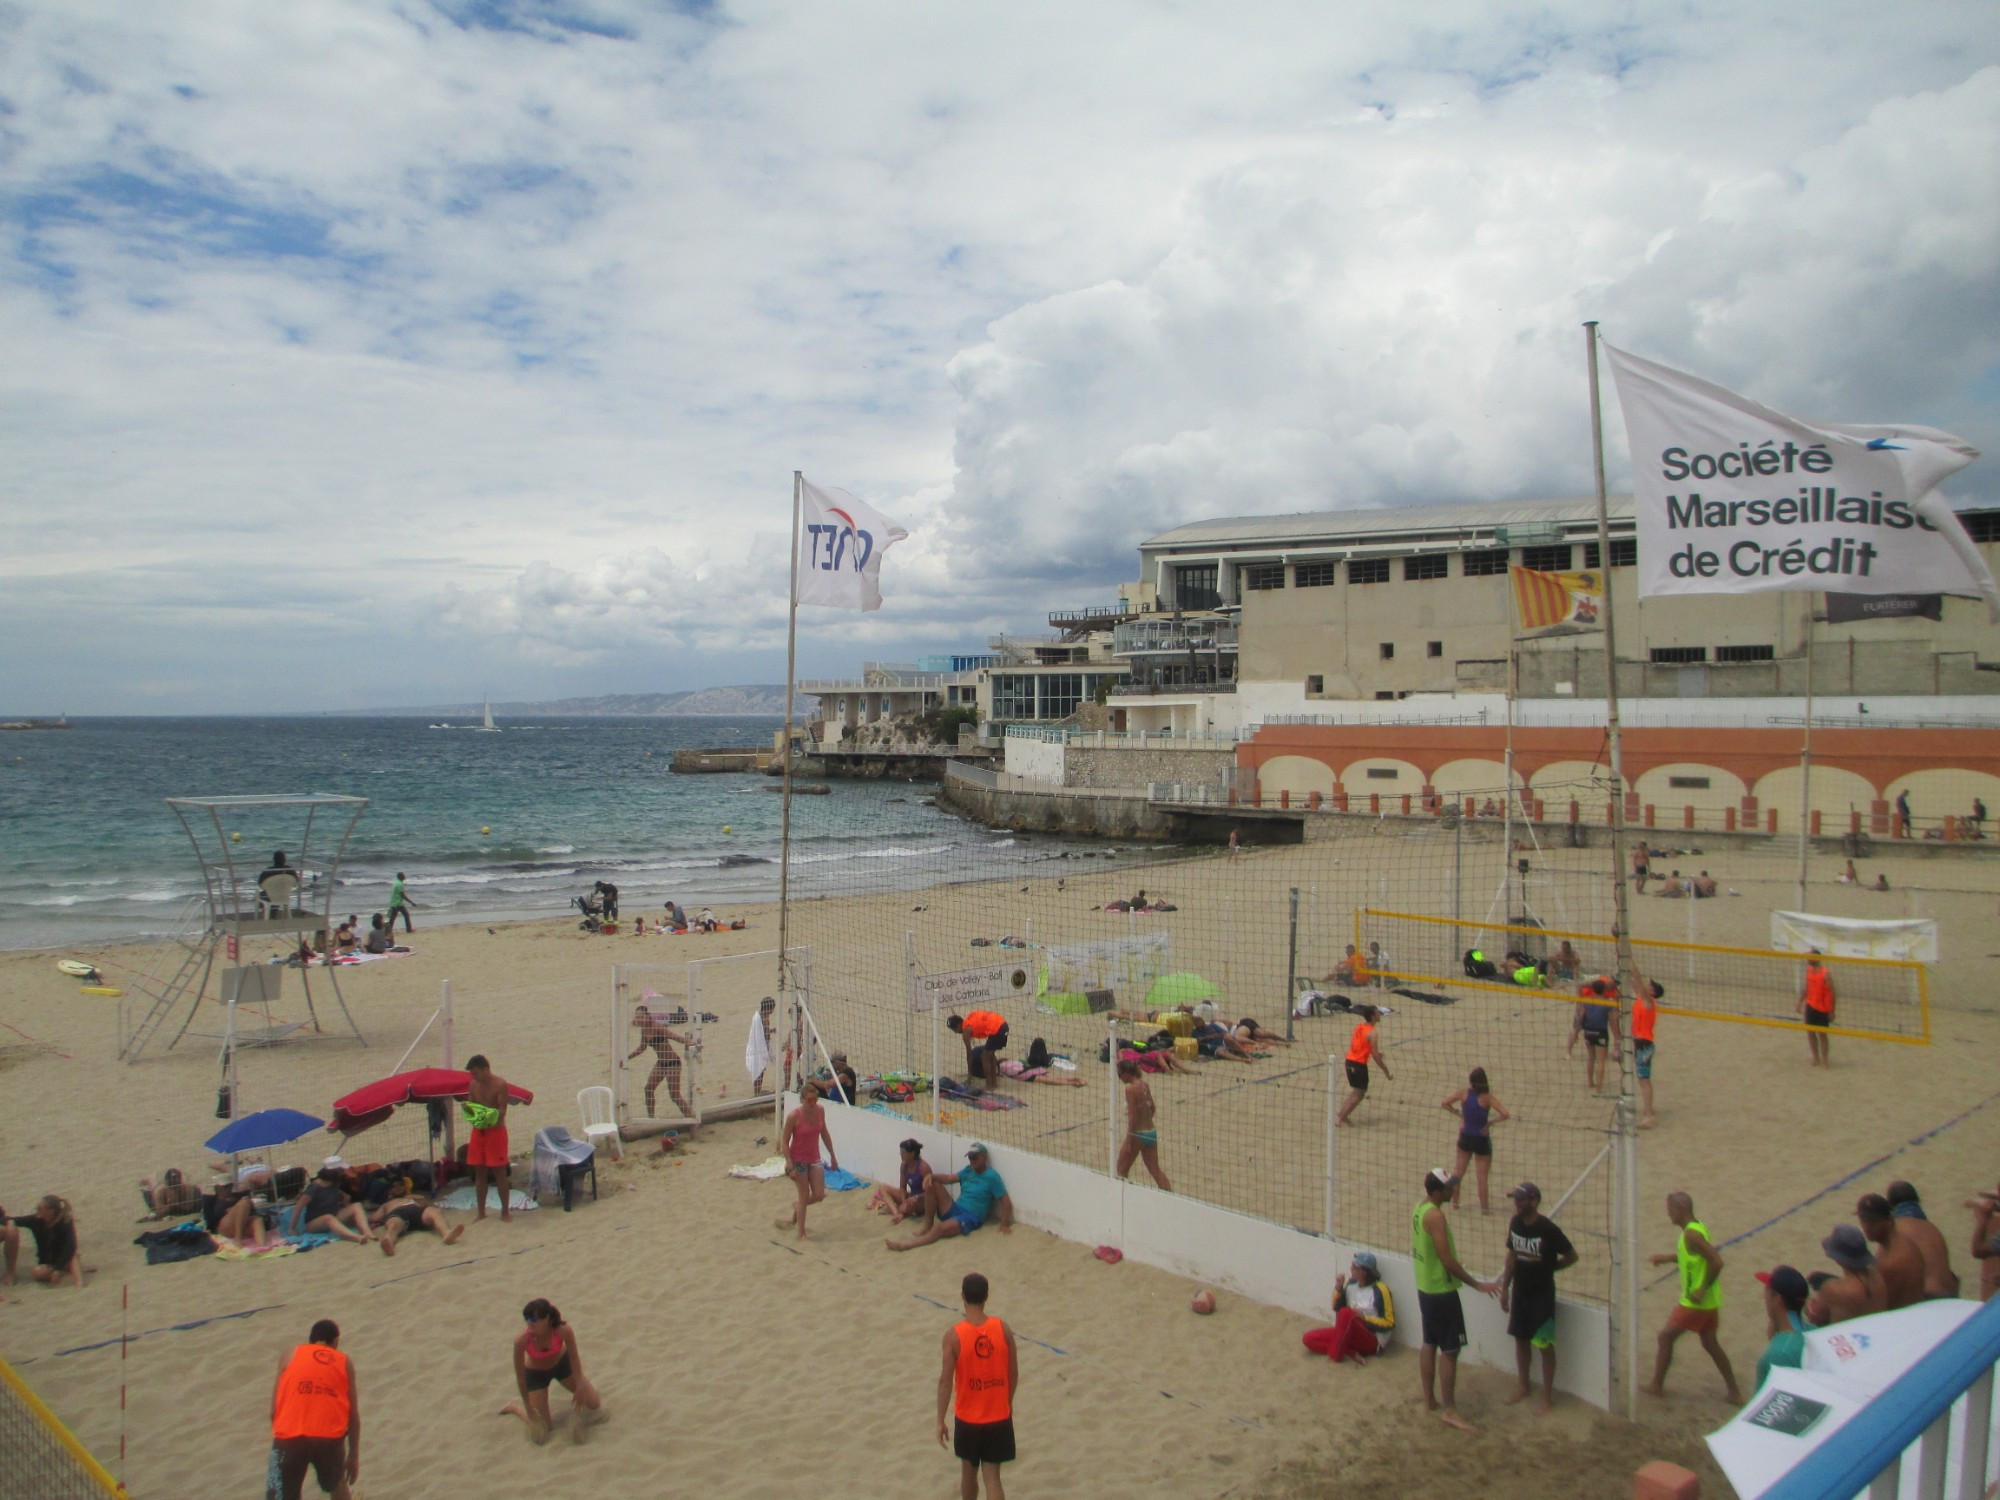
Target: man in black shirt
[[54, 1228], [1536, 1249]]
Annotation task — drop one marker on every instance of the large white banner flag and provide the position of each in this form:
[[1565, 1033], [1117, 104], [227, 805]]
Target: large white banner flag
[[841, 542], [1733, 497]]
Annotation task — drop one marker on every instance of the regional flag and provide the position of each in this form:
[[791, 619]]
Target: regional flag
[[1543, 601], [841, 542], [1733, 497]]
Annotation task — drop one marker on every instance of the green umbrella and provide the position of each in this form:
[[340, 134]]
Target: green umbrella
[[1170, 990]]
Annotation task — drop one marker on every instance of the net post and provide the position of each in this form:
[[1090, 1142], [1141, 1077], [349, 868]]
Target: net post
[[913, 989], [1332, 1117], [1292, 965], [1111, 1114], [937, 1063]]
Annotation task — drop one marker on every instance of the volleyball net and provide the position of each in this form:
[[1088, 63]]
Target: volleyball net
[[40, 1458]]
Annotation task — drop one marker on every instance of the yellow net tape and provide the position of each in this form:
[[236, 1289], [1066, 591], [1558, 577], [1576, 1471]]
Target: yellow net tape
[[39, 1457]]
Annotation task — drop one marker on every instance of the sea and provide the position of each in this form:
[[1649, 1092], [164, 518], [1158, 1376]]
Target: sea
[[507, 825]]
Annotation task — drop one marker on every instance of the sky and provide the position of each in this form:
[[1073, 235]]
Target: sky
[[374, 352]]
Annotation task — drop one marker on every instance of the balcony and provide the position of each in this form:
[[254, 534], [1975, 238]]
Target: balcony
[[1162, 633], [1169, 689], [1091, 617]]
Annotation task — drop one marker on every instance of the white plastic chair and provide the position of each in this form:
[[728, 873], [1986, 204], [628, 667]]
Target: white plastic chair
[[599, 1121]]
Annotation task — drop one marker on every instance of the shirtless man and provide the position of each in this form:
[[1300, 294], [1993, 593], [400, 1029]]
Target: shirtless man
[[487, 1150], [1142, 1139], [1986, 1242], [1940, 1280], [1896, 1254], [1857, 1291]]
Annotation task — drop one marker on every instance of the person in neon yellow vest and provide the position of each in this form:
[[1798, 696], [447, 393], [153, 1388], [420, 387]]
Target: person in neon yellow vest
[[1439, 1276], [1699, 1310]]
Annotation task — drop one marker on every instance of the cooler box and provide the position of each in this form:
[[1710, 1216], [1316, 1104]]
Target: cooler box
[[1185, 1048], [1177, 1022]]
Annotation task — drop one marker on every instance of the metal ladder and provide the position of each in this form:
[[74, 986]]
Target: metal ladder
[[197, 945]]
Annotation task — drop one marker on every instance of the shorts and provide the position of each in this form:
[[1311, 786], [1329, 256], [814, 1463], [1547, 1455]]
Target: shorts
[[541, 1380], [1695, 1319], [1818, 1017], [1642, 1058], [1534, 1319], [983, 1442], [325, 1456], [1475, 1145], [487, 1148], [1597, 1039], [800, 1168], [965, 1222], [1443, 1321], [1357, 1076]]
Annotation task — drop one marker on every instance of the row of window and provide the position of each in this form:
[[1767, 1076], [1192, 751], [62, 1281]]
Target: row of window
[[1689, 655], [1257, 577]]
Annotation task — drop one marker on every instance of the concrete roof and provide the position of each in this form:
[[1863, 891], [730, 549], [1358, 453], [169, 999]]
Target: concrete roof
[[1375, 525]]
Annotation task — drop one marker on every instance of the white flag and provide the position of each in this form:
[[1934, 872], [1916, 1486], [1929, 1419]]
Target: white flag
[[1735, 498], [841, 542]]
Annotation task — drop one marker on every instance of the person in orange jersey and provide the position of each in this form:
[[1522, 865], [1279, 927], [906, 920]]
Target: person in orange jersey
[[982, 1370], [316, 1415]]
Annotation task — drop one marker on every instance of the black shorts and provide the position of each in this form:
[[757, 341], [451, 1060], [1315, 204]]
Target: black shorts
[[1443, 1321], [1818, 1017], [1597, 1039], [983, 1442], [1357, 1076], [1527, 1316], [1475, 1145], [541, 1380], [326, 1457]]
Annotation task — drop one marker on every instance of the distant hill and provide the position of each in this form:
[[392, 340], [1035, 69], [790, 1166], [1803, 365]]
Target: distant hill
[[715, 702]]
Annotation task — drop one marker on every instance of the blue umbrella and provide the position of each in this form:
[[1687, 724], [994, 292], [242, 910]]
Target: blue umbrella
[[267, 1127]]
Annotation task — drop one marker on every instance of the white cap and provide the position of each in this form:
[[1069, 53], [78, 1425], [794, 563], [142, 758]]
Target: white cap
[[333, 1164]]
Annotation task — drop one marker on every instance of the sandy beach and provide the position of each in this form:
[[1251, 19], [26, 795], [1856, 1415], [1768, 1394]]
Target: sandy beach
[[738, 1362]]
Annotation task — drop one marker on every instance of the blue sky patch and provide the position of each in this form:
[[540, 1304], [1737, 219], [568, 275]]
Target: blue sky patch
[[164, 215]]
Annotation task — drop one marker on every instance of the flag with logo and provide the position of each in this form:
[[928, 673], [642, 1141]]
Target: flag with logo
[[1543, 601], [1733, 497], [841, 542]]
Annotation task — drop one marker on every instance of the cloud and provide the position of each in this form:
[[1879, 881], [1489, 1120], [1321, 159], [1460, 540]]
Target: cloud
[[479, 339]]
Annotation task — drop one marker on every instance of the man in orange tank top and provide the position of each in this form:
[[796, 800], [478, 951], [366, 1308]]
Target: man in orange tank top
[[316, 1415], [1361, 1051], [982, 1370], [1816, 1006]]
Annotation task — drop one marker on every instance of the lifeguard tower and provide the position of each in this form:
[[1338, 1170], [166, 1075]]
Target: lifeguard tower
[[269, 868]]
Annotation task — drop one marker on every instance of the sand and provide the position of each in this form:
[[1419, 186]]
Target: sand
[[734, 1361]]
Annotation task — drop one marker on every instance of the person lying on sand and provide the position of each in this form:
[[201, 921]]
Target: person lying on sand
[[407, 1215], [327, 1209]]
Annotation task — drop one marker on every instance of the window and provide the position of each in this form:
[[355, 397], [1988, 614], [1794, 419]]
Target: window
[[1061, 693], [1368, 570], [1264, 576], [1744, 653], [1546, 559], [1670, 655], [1434, 649], [1688, 783], [1485, 564], [1312, 575], [1195, 587], [1315, 686], [1624, 552], [1434, 565], [1388, 651], [1013, 695], [1384, 695], [1381, 773], [1982, 525]]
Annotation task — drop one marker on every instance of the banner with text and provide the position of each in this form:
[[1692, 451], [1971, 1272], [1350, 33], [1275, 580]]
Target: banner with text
[[841, 542], [1733, 497]]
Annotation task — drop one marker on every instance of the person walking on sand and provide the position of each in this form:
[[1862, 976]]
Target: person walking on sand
[[976, 1386], [1699, 1310], [1816, 1007], [1142, 1137], [1234, 845], [316, 1416], [1478, 1110], [655, 1033], [1536, 1250], [1361, 1052], [546, 1353], [399, 905], [805, 1128], [1439, 1276], [486, 1152], [1595, 1019]]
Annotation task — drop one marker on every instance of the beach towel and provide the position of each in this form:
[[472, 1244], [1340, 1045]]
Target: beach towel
[[460, 1198], [756, 1051], [1427, 996], [187, 1241], [840, 1180], [767, 1170], [883, 1109]]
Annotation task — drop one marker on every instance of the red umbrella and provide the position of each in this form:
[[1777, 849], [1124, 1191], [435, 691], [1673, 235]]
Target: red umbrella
[[373, 1103]]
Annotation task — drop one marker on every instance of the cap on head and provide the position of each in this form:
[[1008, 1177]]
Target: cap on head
[[977, 1148], [1789, 1283], [1437, 1179], [1526, 1192], [1366, 1260], [1847, 1247]]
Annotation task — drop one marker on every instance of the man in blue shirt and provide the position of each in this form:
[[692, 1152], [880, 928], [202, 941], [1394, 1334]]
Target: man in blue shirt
[[980, 1192]]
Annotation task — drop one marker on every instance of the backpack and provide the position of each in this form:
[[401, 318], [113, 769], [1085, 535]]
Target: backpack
[[1038, 1053]]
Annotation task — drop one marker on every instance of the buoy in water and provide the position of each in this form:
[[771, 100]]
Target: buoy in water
[[727, 829], [235, 838], [484, 829]]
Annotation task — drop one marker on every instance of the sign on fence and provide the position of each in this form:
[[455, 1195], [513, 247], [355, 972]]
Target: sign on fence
[[962, 989]]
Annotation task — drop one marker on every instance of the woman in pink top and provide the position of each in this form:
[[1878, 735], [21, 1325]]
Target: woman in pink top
[[805, 1128]]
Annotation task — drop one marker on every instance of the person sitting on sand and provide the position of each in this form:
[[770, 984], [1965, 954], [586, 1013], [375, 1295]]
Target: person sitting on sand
[[378, 940], [1344, 972], [1855, 1293], [676, 918], [1881, 882], [1363, 1314], [57, 1258], [343, 937], [909, 1194], [407, 1215], [1703, 885], [655, 1033], [229, 1213], [326, 1209], [546, 1353], [705, 921], [981, 1192], [172, 1197]]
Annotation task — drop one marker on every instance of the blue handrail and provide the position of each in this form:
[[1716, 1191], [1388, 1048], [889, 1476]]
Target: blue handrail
[[1847, 1463]]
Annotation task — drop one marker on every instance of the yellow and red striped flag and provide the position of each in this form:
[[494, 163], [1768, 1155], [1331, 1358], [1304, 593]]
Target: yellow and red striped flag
[[1544, 600]]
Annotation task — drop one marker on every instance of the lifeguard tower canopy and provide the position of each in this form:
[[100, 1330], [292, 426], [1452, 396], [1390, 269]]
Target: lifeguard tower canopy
[[270, 867]]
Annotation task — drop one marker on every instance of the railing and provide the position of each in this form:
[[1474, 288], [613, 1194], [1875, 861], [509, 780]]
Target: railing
[[1168, 689], [1186, 792], [1047, 733], [1060, 618], [1125, 739], [1915, 1412], [1870, 721], [1331, 720]]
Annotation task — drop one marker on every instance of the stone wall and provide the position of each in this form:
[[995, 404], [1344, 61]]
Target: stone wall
[[1125, 769], [1099, 815]]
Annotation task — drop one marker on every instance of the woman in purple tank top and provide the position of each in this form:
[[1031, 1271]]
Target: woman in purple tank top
[[1478, 1110]]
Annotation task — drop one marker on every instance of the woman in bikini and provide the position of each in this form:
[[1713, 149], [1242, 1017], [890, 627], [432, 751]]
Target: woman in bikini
[[401, 1216], [1478, 1111], [1248, 1031], [655, 1033], [805, 1128], [546, 1353]]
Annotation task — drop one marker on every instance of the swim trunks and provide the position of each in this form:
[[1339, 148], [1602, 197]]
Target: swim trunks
[[412, 1215], [1818, 1017], [1145, 1137], [966, 1223], [1357, 1076], [983, 1442], [1642, 1058], [1597, 1039], [1443, 1320], [326, 1457], [1695, 1319], [487, 1148]]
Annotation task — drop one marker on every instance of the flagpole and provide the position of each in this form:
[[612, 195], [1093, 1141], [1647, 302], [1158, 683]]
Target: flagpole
[[1626, 1116], [785, 801], [1805, 758]]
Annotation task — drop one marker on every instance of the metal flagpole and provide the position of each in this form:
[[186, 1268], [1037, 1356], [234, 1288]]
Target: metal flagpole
[[1626, 1258], [785, 802], [1805, 758]]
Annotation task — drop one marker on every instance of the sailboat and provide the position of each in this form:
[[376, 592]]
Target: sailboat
[[487, 726]]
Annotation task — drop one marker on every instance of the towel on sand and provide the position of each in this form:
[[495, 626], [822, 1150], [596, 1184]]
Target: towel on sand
[[767, 1170], [518, 1202]]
